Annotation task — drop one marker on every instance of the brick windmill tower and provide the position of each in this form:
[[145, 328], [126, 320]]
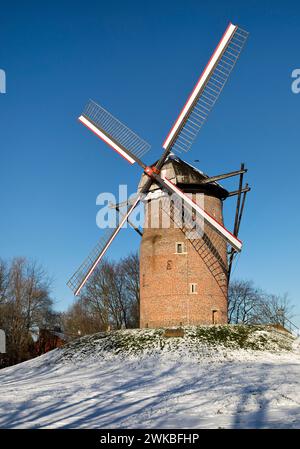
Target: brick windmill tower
[[186, 263], [191, 272]]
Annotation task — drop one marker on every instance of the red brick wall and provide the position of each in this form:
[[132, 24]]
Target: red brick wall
[[166, 276]]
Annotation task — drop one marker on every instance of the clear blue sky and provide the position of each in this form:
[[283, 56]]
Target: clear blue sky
[[140, 60]]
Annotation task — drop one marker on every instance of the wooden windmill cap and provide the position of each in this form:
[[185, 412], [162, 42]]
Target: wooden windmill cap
[[187, 177]]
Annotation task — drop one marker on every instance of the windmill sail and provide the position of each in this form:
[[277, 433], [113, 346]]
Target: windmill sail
[[80, 277], [118, 136], [207, 90], [218, 227]]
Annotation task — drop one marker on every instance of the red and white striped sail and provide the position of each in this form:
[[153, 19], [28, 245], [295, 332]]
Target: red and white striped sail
[[114, 133], [218, 227], [114, 145], [80, 277], [206, 90]]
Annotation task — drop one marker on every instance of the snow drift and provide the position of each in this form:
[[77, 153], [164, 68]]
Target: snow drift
[[214, 376]]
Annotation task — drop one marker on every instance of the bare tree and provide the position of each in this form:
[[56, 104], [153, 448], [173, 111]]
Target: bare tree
[[105, 295], [244, 301], [248, 304], [79, 320], [97, 292], [131, 269], [110, 298], [276, 309], [24, 304], [3, 281]]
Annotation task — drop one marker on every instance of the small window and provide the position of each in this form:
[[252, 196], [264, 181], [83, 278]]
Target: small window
[[193, 288], [180, 248]]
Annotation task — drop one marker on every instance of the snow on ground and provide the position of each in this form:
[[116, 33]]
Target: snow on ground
[[171, 388]]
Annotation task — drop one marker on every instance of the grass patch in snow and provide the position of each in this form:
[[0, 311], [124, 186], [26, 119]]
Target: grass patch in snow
[[198, 342]]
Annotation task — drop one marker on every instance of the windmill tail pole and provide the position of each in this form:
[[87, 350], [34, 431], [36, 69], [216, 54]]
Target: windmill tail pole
[[238, 203], [237, 216], [246, 190]]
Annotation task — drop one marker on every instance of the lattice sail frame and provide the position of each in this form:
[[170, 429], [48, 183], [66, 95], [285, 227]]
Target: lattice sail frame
[[207, 90], [80, 277], [117, 135]]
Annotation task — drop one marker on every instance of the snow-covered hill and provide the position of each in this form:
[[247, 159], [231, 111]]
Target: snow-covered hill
[[218, 376]]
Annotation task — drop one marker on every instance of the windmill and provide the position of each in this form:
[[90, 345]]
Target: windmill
[[216, 246]]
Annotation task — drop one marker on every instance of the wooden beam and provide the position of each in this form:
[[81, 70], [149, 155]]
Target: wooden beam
[[237, 215], [232, 253], [242, 207], [224, 176], [130, 222], [238, 202], [117, 207], [236, 192]]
